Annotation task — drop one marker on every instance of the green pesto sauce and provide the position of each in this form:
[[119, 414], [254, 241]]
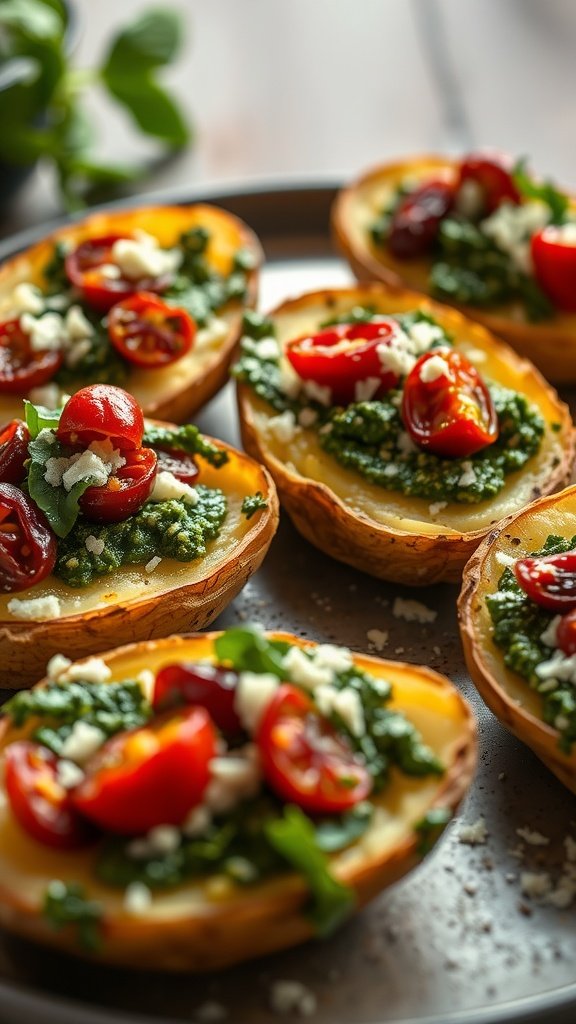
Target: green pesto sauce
[[369, 438], [518, 624], [168, 529]]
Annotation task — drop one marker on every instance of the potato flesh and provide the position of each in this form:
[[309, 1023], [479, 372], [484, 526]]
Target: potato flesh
[[391, 508], [26, 867], [150, 387]]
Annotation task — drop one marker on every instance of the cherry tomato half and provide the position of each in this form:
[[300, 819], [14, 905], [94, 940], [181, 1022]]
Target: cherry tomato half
[[102, 411], [554, 258], [179, 463], [566, 633], [84, 268], [14, 439], [125, 492], [21, 368], [341, 356], [549, 580], [27, 544], [451, 414], [209, 686], [304, 760], [149, 776], [150, 333], [492, 171], [415, 221], [41, 805]]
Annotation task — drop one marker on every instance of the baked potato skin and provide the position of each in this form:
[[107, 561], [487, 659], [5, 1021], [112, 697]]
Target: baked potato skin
[[508, 696], [26, 646], [179, 390], [212, 933], [551, 346], [417, 551]]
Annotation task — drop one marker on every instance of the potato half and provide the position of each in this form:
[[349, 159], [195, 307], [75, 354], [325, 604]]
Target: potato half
[[551, 345], [177, 391], [507, 694], [132, 604], [189, 928], [383, 532]]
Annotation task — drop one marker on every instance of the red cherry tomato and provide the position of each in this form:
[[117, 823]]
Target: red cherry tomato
[[416, 219], [209, 686], [38, 801], [27, 544], [492, 171], [453, 414], [180, 464], [304, 760], [566, 633], [125, 492], [549, 580], [21, 368], [554, 259], [84, 269], [14, 438], [149, 776], [341, 356], [102, 411], [150, 333]]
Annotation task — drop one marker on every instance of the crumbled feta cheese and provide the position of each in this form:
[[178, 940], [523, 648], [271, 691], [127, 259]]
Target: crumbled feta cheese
[[473, 834], [292, 997], [550, 634], [167, 487], [317, 392], [110, 271], [413, 611], [535, 883], [83, 741], [95, 545], [87, 466], [337, 659], [364, 390], [468, 477], [75, 353], [197, 822], [94, 670], [146, 678], [46, 333], [254, 692], [503, 559], [307, 417], [77, 324], [531, 837], [49, 395], [396, 360], [289, 382], [35, 607], [27, 298], [405, 444], [68, 774], [345, 703], [436, 507], [267, 348], [511, 227], [283, 427], [434, 368], [391, 469], [423, 335], [57, 665], [152, 564], [304, 671], [163, 839], [215, 330], [469, 199], [137, 899], [234, 778], [560, 666], [378, 638], [143, 257], [108, 454]]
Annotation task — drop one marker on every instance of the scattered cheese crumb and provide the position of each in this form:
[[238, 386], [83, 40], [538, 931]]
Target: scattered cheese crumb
[[83, 741], [68, 774], [137, 899], [413, 611], [292, 997], [283, 427], [146, 678], [167, 487], [468, 477], [143, 257], [433, 368], [35, 607], [345, 703], [364, 390], [93, 670], [550, 634], [503, 559], [436, 507], [253, 693], [163, 839], [473, 834], [304, 671], [27, 298], [152, 564], [57, 665], [95, 545], [378, 638], [531, 837], [317, 393]]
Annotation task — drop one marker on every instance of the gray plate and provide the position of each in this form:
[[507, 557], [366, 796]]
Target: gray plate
[[455, 943]]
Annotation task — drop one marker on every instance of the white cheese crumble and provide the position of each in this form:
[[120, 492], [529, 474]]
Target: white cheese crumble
[[474, 833], [215, 331], [152, 564], [146, 678], [57, 665], [511, 227], [317, 393], [506, 560], [469, 199], [468, 477], [77, 324], [234, 778], [396, 360], [338, 659], [405, 444], [377, 638], [137, 899], [35, 607], [68, 774], [364, 390], [560, 667], [83, 741], [167, 487], [292, 997], [27, 298], [94, 670], [436, 507], [412, 611], [345, 703], [305, 671], [550, 634], [163, 839], [307, 417], [434, 368], [46, 333], [197, 822], [423, 335], [283, 427], [95, 545], [254, 692], [142, 257], [532, 837]]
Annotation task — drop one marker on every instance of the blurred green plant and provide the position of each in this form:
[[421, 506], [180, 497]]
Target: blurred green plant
[[41, 109]]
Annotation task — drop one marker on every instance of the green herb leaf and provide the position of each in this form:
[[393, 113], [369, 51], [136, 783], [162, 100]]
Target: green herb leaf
[[546, 191], [293, 836], [246, 649], [61, 507], [39, 418], [152, 108], [253, 503], [67, 904], [431, 827], [186, 438], [335, 833]]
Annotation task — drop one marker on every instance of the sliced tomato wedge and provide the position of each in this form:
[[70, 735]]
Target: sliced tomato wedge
[[554, 258], [27, 544], [492, 171], [99, 412], [21, 368], [549, 580], [304, 760], [14, 439], [125, 492], [148, 332], [416, 219], [88, 269], [340, 357], [209, 686], [449, 413], [38, 801], [180, 464], [149, 776]]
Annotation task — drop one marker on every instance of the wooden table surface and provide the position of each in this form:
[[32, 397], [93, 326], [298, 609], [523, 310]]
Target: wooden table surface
[[318, 88]]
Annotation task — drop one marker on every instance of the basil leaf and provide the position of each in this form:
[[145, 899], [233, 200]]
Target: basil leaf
[[246, 649], [61, 507], [152, 108], [335, 833], [65, 904], [293, 836], [546, 191], [38, 418]]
